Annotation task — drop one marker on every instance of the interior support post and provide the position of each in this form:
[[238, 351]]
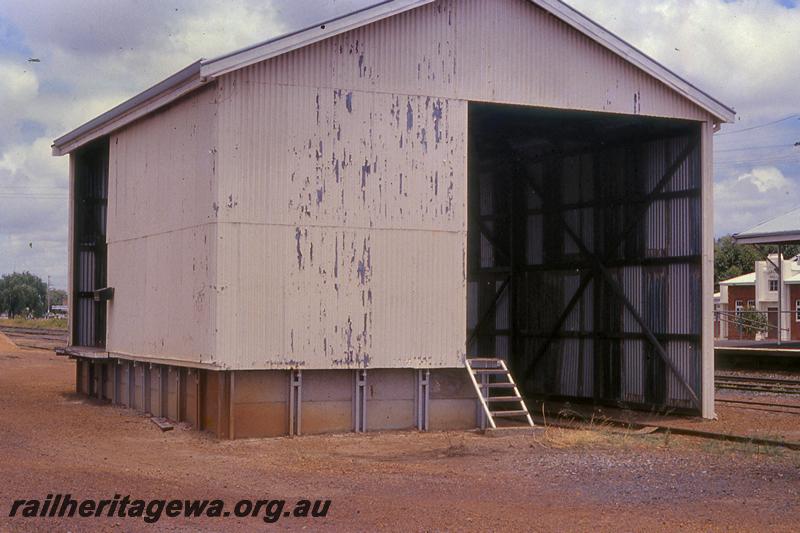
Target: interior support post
[[780, 294]]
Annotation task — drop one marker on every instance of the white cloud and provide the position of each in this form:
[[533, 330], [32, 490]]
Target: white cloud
[[208, 35], [767, 179], [93, 54], [745, 200], [34, 159], [17, 85], [743, 52]]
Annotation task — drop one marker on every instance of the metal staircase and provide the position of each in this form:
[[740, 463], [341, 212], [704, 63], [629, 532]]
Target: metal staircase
[[491, 375]]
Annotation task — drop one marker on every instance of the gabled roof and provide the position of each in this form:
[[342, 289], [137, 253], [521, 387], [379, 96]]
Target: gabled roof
[[744, 279], [206, 69], [781, 229]]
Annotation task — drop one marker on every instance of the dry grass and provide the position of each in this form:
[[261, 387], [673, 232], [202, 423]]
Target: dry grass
[[37, 323], [562, 438], [599, 434]]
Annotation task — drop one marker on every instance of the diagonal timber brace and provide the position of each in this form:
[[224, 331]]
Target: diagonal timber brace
[[489, 235], [587, 277], [488, 310], [600, 267]]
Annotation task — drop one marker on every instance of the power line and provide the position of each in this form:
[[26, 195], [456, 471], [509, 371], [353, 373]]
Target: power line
[[26, 187], [779, 158], [783, 159], [758, 126], [765, 147], [33, 196], [783, 154]]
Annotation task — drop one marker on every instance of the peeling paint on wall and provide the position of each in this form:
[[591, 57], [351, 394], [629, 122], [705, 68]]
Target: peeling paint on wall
[[369, 190]]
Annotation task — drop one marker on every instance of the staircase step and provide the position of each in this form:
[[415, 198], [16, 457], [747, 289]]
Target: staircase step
[[503, 399], [510, 413], [499, 385], [502, 382]]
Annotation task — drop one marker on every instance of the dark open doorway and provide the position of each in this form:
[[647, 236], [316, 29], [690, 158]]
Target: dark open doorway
[[584, 253], [89, 245]]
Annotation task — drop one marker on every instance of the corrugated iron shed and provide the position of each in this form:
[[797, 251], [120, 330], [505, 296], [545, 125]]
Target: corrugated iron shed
[[334, 199]]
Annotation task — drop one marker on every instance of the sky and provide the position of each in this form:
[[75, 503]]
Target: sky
[[94, 54]]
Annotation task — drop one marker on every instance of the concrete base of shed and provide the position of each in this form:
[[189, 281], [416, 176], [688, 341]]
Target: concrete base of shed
[[269, 403]]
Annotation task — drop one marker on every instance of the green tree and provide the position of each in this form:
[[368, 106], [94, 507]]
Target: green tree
[[731, 260], [752, 321], [58, 296], [22, 293]]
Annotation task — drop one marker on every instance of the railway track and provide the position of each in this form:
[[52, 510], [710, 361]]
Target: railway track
[[757, 384], [770, 407], [35, 337]]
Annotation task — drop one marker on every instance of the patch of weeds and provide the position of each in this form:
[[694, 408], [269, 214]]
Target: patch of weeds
[[455, 450], [36, 323], [666, 440], [573, 438]]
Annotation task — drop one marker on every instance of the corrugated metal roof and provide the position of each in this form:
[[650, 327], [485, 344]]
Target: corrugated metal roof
[[203, 70], [744, 279], [783, 228]]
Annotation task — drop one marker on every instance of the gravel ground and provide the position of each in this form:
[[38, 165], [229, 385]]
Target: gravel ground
[[53, 441]]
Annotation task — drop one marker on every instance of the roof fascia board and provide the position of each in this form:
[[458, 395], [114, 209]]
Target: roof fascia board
[[159, 95], [213, 68], [768, 238], [731, 283], [630, 53]]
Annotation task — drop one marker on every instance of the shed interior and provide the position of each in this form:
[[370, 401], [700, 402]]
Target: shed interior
[[584, 251], [89, 244]]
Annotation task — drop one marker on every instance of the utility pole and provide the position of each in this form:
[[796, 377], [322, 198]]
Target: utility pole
[[780, 293], [47, 299]]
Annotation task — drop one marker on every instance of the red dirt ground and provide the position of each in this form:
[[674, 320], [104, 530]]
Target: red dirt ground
[[563, 480]]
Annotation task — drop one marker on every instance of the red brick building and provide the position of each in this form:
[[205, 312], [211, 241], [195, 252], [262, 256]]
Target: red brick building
[[794, 301], [764, 291], [736, 295]]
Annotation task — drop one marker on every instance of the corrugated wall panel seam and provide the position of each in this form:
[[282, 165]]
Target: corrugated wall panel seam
[[317, 226], [179, 229]]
